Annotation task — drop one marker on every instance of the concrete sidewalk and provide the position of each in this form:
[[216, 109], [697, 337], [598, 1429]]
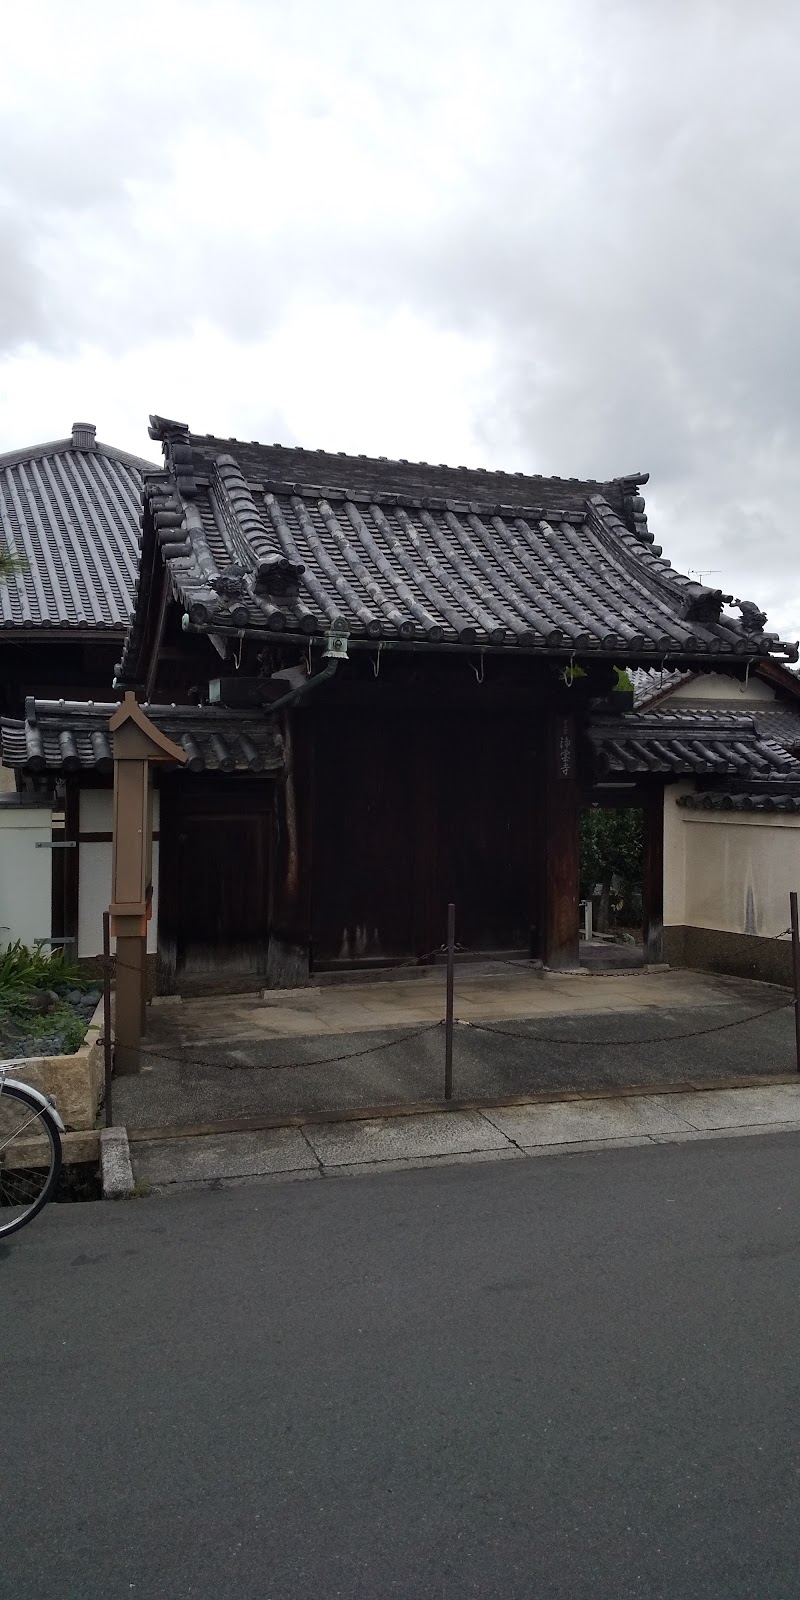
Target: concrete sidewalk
[[317, 1149]]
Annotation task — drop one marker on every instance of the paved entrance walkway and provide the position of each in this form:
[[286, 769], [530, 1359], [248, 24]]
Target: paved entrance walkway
[[379, 1044]]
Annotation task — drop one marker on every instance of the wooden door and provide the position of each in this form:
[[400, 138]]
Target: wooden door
[[364, 839], [485, 830], [213, 919], [411, 810]]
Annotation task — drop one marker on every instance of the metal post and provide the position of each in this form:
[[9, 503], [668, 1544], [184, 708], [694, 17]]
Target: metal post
[[107, 1015], [448, 1036], [796, 973]]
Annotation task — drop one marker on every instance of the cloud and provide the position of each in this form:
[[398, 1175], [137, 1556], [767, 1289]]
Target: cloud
[[551, 236]]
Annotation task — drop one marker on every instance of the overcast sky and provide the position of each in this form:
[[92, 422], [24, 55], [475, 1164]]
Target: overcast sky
[[555, 236]]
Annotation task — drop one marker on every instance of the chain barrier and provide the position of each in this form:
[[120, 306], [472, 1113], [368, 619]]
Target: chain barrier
[[658, 1038], [285, 1066], [406, 1037]]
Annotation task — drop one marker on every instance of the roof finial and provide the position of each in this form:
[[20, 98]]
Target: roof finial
[[84, 436]]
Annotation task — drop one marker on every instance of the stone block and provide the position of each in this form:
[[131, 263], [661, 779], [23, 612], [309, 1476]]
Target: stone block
[[76, 1081], [115, 1164], [344, 1144]]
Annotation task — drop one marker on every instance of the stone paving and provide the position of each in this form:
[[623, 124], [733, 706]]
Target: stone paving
[[492, 991], [519, 1033], [316, 1150]]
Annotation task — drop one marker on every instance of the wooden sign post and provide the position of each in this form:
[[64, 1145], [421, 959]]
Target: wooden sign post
[[138, 745]]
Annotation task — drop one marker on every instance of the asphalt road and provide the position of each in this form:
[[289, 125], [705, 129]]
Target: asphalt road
[[573, 1377]]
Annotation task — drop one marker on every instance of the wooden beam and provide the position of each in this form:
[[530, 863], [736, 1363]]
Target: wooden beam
[[138, 746], [653, 875], [560, 842], [72, 801], [289, 948], [152, 667]]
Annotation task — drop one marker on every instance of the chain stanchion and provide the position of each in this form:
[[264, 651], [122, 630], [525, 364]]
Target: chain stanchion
[[448, 1036], [796, 973], [107, 1017]]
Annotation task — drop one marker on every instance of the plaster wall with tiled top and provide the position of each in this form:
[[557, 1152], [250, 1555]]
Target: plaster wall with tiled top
[[728, 871]]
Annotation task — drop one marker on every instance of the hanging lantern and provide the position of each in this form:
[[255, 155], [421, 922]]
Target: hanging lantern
[[335, 645]]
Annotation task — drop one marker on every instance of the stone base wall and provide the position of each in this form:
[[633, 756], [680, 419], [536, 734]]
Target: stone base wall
[[739, 955], [76, 1081]]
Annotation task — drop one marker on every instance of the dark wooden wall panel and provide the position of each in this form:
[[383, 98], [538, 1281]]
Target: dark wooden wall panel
[[364, 826], [214, 878], [412, 809]]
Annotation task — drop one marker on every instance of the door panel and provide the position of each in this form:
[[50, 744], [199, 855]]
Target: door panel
[[215, 862], [363, 908], [485, 831], [412, 810], [223, 894]]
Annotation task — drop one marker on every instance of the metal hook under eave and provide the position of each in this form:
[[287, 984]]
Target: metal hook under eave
[[237, 660], [376, 665], [568, 675], [478, 671]]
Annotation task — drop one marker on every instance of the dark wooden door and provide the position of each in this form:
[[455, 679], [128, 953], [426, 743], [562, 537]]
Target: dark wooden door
[[485, 830], [411, 810], [364, 839], [213, 916]]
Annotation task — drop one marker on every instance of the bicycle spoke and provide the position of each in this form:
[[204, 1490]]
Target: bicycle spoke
[[30, 1158]]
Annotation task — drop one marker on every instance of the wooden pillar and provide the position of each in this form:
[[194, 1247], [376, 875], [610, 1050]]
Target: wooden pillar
[[72, 800], [289, 948], [561, 843], [653, 876], [137, 745]]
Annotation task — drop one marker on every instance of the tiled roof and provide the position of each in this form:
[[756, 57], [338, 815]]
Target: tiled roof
[[713, 742], [71, 511], [650, 685], [436, 555], [72, 736], [721, 800], [260, 463]]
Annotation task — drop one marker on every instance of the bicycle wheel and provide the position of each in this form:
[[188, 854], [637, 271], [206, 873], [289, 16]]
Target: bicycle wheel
[[30, 1158]]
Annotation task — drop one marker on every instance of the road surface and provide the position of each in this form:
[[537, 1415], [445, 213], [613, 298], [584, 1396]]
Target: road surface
[[573, 1377]]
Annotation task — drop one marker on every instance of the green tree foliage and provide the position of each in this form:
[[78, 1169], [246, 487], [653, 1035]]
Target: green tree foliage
[[8, 564], [612, 847]]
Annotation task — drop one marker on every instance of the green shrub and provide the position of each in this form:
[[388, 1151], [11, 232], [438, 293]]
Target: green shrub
[[25, 974], [24, 968]]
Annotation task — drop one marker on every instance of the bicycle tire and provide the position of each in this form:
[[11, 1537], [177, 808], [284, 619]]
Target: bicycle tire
[[13, 1092]]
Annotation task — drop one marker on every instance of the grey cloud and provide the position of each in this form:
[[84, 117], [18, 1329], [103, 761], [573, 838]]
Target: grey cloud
[[623, 230]]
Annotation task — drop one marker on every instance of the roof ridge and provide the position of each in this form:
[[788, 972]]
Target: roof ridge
[[61, 447], [428, 502], [165, 428]]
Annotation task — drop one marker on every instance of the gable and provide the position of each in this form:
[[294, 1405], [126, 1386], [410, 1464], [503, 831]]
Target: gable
[[718, 686]]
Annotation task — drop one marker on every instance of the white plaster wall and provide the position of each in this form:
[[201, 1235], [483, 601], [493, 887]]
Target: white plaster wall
[[26, 897], [675, 855], [94, 882], [729, 870]]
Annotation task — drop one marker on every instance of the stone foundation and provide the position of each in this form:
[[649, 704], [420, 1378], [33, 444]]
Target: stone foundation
[[76, 1081], [739, 955]]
